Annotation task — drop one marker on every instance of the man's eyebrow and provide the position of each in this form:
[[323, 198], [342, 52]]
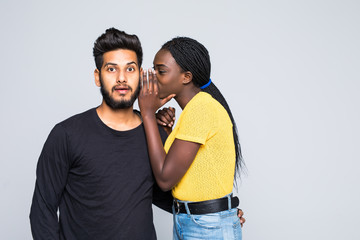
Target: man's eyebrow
[[109, 63], [115, 64]]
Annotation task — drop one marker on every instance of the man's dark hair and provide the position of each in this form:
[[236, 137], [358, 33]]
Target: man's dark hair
[[114, 39]]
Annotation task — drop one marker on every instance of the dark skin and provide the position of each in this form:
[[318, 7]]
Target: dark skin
[[166, 82], [165, 117], [168, 168]]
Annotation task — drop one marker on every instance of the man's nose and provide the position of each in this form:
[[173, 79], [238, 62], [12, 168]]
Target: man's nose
[[121, 77]]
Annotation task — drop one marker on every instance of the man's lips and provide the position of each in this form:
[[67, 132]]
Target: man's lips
[[121, 89]]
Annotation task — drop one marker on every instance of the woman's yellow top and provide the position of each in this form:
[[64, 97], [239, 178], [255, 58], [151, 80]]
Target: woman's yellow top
[[204, 120]]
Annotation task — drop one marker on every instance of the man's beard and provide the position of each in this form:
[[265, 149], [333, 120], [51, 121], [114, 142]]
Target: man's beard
[[121, 104]]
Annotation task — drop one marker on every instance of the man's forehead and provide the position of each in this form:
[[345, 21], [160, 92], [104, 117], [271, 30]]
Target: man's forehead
[[120, 57]]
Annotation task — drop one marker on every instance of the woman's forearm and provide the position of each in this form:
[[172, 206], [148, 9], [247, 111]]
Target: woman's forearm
[[156, 150]]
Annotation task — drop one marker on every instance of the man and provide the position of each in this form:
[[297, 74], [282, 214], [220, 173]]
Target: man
[[94, 166]]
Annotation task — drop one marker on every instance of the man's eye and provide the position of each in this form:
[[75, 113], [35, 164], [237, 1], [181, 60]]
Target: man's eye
[[131, 69], [111, 69]]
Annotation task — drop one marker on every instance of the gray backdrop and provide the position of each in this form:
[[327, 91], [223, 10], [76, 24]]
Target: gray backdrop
[[289, 70]]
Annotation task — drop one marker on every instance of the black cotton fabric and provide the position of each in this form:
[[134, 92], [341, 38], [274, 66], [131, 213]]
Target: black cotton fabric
[[99, 179]]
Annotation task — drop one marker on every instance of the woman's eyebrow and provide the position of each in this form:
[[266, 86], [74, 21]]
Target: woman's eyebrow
[[160, 65]]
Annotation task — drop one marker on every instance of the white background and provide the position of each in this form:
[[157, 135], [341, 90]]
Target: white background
[[289, 70]]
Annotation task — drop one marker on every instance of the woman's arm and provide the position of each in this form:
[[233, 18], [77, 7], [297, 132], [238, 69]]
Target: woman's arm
[[165, 117], [168, 168]]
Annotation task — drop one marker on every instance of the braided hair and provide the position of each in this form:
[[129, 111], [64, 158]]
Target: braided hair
[[192, 56]]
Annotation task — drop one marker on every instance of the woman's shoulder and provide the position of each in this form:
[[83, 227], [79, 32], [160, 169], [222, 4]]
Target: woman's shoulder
[[202, 100], [205, 103], [202, 106]]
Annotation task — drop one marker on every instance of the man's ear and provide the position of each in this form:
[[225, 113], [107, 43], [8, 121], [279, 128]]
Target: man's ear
[[97, 77], [187, 77]]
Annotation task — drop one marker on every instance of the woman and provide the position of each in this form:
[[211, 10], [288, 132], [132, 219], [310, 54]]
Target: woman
[[202, 154]]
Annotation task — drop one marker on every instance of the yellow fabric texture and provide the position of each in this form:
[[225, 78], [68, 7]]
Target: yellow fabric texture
[[204, 120]]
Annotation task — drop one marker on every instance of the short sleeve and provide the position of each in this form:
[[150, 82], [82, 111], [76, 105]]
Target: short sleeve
[[198, 123]]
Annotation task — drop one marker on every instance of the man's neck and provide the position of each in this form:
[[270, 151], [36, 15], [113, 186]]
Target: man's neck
[[120, 119]]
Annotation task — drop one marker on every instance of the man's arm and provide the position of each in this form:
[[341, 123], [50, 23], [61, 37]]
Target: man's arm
[[163, 200], [51, 176]]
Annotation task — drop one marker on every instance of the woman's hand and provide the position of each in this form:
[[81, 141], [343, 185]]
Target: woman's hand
[[149, 100], [166, 118]]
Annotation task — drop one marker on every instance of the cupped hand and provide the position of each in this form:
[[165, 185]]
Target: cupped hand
[[149, 100]]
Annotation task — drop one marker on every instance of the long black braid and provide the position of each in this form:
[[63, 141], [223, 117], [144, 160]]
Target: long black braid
[[192, 56]]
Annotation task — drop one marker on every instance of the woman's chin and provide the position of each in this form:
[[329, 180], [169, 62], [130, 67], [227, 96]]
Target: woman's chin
[[162, 96]]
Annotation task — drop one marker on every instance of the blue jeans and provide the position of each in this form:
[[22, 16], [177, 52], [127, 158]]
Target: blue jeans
[[223, 225]]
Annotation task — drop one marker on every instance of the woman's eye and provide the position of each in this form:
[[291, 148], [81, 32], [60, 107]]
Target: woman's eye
[[159, 71]]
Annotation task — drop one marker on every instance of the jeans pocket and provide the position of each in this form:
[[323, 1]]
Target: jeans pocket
[[208, 221], [237, 230], [236, 223], [235, 218], [236, 226]]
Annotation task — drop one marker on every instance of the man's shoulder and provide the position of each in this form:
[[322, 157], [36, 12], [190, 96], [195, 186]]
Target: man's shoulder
[[77, 120], [163, 134]]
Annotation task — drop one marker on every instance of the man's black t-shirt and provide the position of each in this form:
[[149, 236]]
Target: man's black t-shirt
[[100, 179]]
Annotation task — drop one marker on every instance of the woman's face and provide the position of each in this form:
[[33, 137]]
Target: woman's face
[[168, 73]]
